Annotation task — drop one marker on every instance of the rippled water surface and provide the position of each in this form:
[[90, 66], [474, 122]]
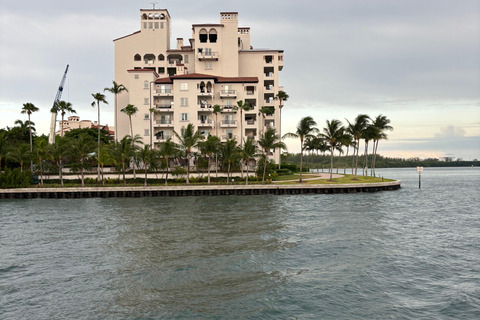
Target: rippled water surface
[[406, 254]]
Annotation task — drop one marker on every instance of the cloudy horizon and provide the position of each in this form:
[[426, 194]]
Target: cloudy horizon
[[418, 63]]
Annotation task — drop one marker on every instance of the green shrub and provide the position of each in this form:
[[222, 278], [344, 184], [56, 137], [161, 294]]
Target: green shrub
[[15, 179], [283, 172]]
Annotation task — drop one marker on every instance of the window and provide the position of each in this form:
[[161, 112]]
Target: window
[[228, 103], [184, 102], [161, 70], [161, 25], [203, 36], [208, 51], [161, 57], [185, 59], [146, 84], [137, 76], [137, 57], [184, 86], [156, 25], [208, 65], [147, 116], [184, 117], [229, 133], [150, 25], [212, 36], [146, 101], [144, 25], [147, 132]]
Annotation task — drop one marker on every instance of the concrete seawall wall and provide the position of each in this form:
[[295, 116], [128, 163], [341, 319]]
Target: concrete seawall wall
[[204, 190]]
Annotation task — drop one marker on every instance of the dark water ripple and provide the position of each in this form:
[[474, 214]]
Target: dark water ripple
[[408, 254]]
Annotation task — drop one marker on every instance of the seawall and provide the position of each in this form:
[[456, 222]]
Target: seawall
[[203, 190]]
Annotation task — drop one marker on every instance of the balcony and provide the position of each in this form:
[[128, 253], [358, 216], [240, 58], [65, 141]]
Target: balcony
[[206, 123], [228, 124], [164, 107], [250, 122], [205, 56], [205, 107], [162, 139], [227, 137], [229, 108], [204, 93], [163, 92], [228, 93], [163, 123]]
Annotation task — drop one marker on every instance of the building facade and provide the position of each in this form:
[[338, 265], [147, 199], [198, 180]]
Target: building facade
[[74, 122], [217, 66]]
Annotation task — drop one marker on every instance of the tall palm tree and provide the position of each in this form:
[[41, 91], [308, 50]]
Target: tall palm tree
[[153, 112], [121, 153], [41, 153], [209, 147], [146, 155], [282, 96], [305, 129], [189, 139], [333, 133], [268, 141], [80, 149], [263, 111], [98, 97], [367, 134], [242, 106], [381, 123], [58, 150], [168, 150], [216, 110], [229, 153], [103, 158], [247, 153], [116, 89], [130, 110], [29, 108], [62, 107], [20, 154], [356, 129]]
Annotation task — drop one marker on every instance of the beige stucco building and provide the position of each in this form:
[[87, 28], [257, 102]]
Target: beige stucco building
[[74, 122], [216, 66]]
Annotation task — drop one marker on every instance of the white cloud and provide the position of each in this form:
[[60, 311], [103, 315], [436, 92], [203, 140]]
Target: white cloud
[[450, 132]]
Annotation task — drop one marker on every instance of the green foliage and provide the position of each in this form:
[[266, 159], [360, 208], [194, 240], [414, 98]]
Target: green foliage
[[105, 137], [283, 172], [15, 179], [179, 171]]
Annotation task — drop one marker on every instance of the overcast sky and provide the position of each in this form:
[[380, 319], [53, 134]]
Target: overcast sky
[[415, 61]]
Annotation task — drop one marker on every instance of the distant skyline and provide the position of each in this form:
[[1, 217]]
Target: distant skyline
[[417, 62]]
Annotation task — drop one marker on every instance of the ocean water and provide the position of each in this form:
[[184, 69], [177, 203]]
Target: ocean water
[[406, 254]]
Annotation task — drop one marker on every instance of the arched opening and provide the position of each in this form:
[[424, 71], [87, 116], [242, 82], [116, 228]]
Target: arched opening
[[156, 16], [202, 87], [212, 35], [209, 87], [161, 57], [162, 16], [144, 16], [149, 58], [203, 35], [175, 58], [150, 16], [137, 57]]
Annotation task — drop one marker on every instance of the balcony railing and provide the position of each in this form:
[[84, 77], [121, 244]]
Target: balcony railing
[[205, 107], [164, 106], [163, 91], [228, 93], [206, 123], [207, 56], [228, 108], [227, 137], [163, 138], [166, 122], [204, 93], [250, 122], [228, 123]]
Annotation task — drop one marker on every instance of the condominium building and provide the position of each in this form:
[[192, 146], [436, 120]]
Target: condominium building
[[216, 66]]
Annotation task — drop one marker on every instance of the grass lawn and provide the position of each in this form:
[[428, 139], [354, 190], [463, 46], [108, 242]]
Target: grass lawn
[[296, 177], [348, 178]]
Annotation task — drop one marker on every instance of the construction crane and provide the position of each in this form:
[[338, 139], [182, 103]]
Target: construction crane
[[51, 138]]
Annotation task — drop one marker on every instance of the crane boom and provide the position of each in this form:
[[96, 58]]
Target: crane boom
[[53, 122]]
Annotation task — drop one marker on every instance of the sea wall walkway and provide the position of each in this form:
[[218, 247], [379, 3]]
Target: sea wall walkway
[[195, 190]]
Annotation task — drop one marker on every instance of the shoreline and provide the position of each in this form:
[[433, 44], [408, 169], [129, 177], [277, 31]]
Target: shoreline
[[198, 190]]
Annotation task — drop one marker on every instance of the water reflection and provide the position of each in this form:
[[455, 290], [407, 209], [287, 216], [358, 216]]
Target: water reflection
[[196, 254]]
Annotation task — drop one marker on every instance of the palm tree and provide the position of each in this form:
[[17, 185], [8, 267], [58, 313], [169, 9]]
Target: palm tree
[[121, 152], [58, 150], [247, 153], [29, 108], [80, 148], [130, 110], [216, 110], [146, 155], [333, 133], [380, 124], [367, 134], [63, 107], [153, 111], [305, 129], [355, 129], [229, 153], [167, 150], [268, 141], [282, 96], [116, 89], [264, 111], [103, 158], [41, 153], [209, 147], [189, 139], [20, 154], [99, 98], [242, 106]]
